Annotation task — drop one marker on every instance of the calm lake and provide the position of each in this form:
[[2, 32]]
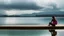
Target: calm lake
[[29, 21], [29, 33]]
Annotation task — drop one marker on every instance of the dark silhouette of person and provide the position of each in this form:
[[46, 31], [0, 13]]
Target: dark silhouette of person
[[53, 21], [53, 32]]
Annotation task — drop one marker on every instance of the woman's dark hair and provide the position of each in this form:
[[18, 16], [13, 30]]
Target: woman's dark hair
[[53, 18]]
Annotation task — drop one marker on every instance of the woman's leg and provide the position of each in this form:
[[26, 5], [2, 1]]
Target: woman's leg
[[50, 24]]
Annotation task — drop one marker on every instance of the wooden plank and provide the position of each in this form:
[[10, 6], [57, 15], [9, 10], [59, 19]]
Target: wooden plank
[[32, 27]]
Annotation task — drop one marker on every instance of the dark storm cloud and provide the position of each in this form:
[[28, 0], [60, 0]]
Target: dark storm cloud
[[21, 6]]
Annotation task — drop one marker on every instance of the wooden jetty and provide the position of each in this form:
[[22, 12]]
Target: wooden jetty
[[30, 27]]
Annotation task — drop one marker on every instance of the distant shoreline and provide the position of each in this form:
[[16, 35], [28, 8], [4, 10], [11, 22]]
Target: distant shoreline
[[31, 16]]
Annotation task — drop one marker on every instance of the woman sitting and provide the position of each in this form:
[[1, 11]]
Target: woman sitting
[[53, 21]]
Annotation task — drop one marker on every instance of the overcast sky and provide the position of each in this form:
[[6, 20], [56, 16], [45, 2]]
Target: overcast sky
[[11, 7]]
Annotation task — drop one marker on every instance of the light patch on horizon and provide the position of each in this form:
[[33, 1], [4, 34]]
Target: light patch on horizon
[[19, 12], [12, 12]]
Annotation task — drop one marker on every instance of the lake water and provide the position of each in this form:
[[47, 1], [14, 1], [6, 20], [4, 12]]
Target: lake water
[[29, 33], [28, 20]]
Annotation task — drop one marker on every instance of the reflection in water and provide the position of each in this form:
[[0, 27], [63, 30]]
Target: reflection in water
[[27, 33], [10, 20], [2, 20], [53, 32]]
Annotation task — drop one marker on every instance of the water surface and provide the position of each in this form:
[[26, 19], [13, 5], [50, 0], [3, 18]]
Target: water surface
[[29, 20], [29, 33]]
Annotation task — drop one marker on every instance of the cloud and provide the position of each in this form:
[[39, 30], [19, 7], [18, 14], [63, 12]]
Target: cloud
[[51, 7], [23, 4], [20, 5]]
